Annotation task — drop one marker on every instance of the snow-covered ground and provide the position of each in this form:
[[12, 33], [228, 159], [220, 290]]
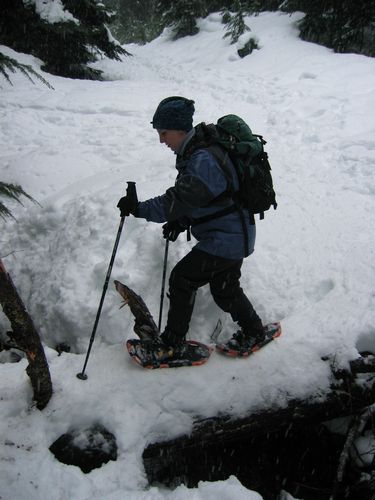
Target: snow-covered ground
[[73, 149]]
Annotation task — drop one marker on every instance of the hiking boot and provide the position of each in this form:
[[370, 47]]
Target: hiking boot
[[156, 350], [244, 341], [167, 346], [159, 352], [171, 339]]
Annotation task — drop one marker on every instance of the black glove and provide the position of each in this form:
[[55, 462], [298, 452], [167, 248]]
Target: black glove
[[172, 229], [128, 205]]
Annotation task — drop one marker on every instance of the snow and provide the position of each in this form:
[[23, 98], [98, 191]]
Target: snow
[[51, 11], [74, 148]]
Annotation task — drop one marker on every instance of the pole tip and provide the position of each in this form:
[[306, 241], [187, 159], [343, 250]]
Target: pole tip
[[82, 376]]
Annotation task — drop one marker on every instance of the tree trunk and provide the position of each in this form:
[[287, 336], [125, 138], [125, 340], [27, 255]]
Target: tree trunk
[[26, 337]]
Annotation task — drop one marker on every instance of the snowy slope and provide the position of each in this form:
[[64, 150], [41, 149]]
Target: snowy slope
[[74, 148]]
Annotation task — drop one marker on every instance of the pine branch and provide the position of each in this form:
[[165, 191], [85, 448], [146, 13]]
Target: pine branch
[[10, 64], [4, 63], [235, 25], [5, 212], [13, 192]]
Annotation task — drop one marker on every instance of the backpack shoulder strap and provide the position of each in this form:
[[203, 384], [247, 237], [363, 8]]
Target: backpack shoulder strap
[[206, 137], [222, 158], [200, 140]]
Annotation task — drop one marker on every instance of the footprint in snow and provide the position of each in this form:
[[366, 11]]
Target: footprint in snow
[[318, 291]]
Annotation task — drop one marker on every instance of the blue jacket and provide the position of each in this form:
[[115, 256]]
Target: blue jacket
[[200, 181]]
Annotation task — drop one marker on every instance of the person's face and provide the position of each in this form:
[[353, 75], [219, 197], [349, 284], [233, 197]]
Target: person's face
[[172, 138]]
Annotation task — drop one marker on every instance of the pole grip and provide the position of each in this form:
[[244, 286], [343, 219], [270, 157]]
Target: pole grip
[[131, 191]]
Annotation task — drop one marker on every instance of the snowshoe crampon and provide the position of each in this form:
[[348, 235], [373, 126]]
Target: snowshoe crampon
[[156, 355], [231, 348]]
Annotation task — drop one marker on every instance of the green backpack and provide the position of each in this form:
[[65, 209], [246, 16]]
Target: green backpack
[[232, 137]]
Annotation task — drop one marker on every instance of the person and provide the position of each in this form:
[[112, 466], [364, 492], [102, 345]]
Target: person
[[200, 192]]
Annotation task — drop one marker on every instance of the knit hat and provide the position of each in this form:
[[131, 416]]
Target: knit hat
[[174, 113]]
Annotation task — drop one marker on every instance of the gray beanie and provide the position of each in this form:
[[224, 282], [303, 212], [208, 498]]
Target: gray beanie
[[174, 113]]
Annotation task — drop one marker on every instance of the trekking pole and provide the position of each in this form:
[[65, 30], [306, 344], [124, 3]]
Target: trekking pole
[[130, 192], [163, 282]]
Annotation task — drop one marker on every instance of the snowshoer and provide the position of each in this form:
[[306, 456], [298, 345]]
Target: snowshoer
[[200, 190]]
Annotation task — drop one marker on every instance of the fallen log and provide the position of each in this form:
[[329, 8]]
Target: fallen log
[[343, 400], [25, 337], [194, 457]]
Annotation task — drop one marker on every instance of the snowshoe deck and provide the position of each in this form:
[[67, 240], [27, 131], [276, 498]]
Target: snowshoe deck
[[151, 356], [272, 331]]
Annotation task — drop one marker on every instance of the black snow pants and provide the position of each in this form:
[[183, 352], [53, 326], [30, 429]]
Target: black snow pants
[[197, 269]]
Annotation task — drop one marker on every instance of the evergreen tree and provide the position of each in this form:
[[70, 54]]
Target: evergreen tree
[[135, 20], [182, 16], [218, 5], [343, 25], [270, 5], [66, 46], [236, 26], [226, 16], [254, 7], [143, 20]]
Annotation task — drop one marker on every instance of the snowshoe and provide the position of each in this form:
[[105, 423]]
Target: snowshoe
[[154, 354], [241, 347]]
